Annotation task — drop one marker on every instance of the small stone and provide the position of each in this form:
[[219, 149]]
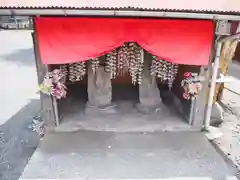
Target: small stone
[[217, 115]]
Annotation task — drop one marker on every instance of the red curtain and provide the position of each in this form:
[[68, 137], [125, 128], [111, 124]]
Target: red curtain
[[67, 40]]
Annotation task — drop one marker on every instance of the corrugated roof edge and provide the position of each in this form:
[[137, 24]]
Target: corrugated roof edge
[[118, 8]]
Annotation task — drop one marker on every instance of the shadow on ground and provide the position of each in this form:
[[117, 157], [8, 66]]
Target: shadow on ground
[[21, 57], [17, 142]]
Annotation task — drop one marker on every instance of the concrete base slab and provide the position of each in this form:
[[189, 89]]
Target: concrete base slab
[[125, 119], [109, 155], [213, 133]]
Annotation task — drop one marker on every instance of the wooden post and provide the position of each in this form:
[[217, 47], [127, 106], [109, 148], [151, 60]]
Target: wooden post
[[192, 112], [47, 109], [228, 51], [227, 54], [199, 104], [55, 110]]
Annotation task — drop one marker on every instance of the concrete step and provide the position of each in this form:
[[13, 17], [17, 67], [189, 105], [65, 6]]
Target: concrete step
[[108, 155]]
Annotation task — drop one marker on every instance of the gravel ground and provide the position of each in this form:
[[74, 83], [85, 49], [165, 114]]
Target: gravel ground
[[17, 142], [229, 143], [19, 102]]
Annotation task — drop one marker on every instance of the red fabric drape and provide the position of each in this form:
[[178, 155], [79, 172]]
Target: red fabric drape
[[67, 40]]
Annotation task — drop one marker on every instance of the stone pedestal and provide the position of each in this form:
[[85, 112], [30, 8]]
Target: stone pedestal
[[99, 91], [217, 115]]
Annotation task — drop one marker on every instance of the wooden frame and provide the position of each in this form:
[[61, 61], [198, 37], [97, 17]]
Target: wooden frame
[[49, 105], [49, 110]]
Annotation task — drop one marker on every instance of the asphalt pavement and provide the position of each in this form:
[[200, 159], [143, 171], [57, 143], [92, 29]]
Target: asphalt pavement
[[19, 102]]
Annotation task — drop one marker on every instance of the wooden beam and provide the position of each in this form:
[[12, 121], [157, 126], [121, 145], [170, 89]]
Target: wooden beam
[[47, 109], [230, 38], [198, 105], [228, 51], [117, 13]]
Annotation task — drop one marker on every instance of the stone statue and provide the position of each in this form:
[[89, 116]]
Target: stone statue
[[149, 94], [99, 87], [99, 90]]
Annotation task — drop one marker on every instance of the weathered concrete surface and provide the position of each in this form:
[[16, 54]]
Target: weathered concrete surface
[[18, 87], [107, 155], [125, 119], [17, 142], [228, 143], [18, 72]]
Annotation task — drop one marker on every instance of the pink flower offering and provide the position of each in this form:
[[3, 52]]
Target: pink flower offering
[[186, 96], [188, 74]]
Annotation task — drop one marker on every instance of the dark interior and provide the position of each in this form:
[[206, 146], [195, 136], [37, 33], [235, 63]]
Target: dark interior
[[123, 89], [77, 90]]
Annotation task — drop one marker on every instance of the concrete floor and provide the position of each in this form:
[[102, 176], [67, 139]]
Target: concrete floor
[[125, 119], [109, 155]]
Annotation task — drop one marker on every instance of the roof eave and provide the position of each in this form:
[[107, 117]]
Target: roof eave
[[118, 13]]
